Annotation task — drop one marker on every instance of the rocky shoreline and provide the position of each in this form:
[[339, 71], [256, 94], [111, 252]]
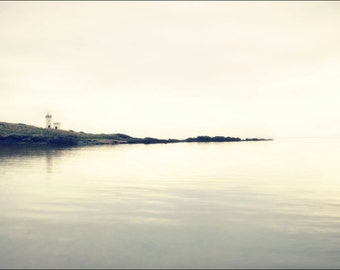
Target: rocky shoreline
[[26, 134]]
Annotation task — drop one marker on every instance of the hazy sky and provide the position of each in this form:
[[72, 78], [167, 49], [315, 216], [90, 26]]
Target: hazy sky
[[173, 69]]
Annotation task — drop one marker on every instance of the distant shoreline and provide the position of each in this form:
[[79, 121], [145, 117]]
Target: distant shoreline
[[30, 135]]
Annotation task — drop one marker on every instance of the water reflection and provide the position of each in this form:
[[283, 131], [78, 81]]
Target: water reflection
[[25, 154], [245, 205], [49, 160]]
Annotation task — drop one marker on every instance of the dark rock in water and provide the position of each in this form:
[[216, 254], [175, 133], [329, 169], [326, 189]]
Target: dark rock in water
[[213, 139]]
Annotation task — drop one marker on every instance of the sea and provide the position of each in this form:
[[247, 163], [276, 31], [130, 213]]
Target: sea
[[265, 204]]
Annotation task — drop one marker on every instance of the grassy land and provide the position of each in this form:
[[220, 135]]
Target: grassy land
[[26, 134]]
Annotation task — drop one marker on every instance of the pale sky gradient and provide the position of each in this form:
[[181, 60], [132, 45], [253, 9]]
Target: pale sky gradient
[[173, 69]]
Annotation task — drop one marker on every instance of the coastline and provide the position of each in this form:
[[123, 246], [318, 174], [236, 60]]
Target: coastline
[[30, 135]]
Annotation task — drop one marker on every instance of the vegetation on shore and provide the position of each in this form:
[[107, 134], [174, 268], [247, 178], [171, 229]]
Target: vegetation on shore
[[26, 134]]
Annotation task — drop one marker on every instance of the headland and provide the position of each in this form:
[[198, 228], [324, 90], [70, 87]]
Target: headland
[[11, 133]]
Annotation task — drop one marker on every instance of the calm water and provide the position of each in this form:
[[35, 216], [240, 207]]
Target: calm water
[[215, 205]]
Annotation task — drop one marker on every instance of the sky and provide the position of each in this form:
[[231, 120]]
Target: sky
[[173, 69]]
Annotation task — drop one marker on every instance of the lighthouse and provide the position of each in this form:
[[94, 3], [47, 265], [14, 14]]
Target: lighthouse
[[48, 120], [55, 125]]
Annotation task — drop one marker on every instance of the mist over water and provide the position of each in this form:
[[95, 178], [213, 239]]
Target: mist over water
[[272, 204]]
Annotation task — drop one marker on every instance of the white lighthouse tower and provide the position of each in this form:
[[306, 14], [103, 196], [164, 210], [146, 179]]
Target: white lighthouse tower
[[48, 120]]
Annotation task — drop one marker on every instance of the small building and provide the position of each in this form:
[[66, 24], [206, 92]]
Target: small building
[[56, 125]]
